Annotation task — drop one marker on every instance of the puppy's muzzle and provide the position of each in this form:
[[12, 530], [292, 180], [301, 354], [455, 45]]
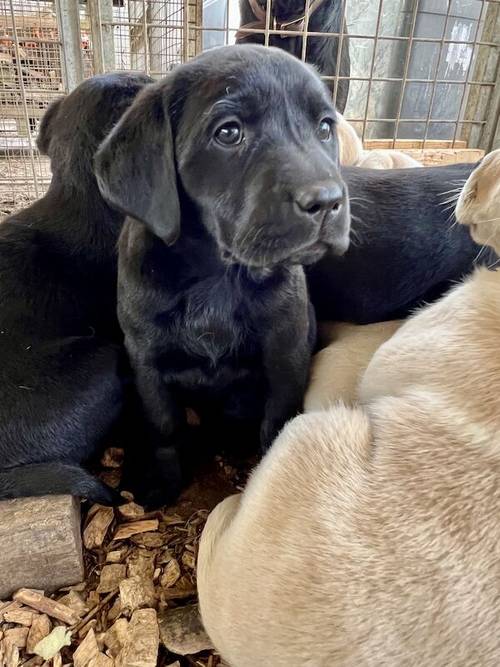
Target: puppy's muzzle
[[319, 200]]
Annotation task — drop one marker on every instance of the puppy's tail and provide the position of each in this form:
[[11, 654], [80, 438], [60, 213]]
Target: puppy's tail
[[40, 479]]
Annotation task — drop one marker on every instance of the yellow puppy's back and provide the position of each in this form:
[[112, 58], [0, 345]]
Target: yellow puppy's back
[[337, 369], [349, 552]]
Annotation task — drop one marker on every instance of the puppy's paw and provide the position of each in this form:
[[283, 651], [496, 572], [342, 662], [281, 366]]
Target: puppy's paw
[[159, 482], [105, 495]]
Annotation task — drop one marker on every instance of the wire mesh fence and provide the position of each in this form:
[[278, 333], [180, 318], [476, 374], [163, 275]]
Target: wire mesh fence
[[420, 71]]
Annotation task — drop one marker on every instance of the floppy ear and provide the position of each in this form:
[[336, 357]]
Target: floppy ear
[[45, 131], [135, 166]]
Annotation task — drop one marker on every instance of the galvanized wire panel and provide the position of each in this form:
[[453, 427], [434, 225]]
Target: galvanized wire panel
[[30, 76], [421, 70], [414, 63]]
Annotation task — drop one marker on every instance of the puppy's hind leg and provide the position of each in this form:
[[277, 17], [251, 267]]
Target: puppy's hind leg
[[58, 402], [57, 478]]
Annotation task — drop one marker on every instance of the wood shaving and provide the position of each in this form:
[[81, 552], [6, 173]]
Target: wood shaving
[[156, 575]]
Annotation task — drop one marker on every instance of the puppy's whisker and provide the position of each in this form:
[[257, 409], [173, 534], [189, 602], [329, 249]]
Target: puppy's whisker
[[253, 245], [446, 192], [359, 221], [492, 266], [363, 203], [355, 235], [486, 245], [478, 256], [450, 206], [480, 222], [246, 237], [451, 200]]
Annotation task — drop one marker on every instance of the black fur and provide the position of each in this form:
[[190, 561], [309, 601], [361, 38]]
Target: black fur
[[406, 247], [212, 296], [322, 52], [60, 378]]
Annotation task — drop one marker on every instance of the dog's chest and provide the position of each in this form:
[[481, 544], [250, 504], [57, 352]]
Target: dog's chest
[[211, 326]]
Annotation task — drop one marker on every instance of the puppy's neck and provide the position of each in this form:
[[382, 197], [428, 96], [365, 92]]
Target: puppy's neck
[[78, 217]]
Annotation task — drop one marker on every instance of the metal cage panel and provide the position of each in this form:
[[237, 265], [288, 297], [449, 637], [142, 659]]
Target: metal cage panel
[[423, 71]]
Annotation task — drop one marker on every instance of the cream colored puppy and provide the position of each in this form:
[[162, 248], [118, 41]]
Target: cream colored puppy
[[386, 159], [370, 537], [337, 369], [350, 145], [351, 151]]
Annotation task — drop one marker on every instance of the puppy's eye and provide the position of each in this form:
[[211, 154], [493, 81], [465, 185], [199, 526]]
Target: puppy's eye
[[229, 134], [325, 130]]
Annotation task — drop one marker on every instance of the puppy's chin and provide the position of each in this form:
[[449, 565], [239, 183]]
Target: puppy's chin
[[314, 253], [306, 254]]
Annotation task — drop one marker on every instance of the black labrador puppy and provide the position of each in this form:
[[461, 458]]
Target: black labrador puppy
[[326, 16], [406, 246], [60, 381], [229, 171]]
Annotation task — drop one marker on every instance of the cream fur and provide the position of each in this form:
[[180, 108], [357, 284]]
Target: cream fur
[[386, 159], [337, 369], [352, 153], [370, 536], [350, 146], [478, 204]]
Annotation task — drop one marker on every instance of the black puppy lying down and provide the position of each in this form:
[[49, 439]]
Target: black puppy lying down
[[229, 168], [60, 389], [406, 247]]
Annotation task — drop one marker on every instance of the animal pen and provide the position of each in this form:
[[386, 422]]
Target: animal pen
[[424, 73]]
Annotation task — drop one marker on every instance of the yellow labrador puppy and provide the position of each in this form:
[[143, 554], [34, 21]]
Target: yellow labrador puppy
[[370, 536], [352, 154], [386, 159], [350, 145]]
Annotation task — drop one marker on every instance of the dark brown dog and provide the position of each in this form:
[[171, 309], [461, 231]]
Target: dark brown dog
[[325, 16]]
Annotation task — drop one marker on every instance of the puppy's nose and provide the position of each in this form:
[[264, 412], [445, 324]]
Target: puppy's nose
[[320, 198]]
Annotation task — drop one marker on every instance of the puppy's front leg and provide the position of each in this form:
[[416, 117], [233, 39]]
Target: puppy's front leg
[[287, 356], [155, 466]]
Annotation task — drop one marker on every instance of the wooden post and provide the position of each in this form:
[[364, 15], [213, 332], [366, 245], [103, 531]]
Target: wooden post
[[490, 136], [68, 18], [40, 544], [479, 101], [195, 17], [101, 19]]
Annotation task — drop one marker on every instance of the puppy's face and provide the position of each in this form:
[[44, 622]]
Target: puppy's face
[[478, 206], [245, 136], [257, 152]]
